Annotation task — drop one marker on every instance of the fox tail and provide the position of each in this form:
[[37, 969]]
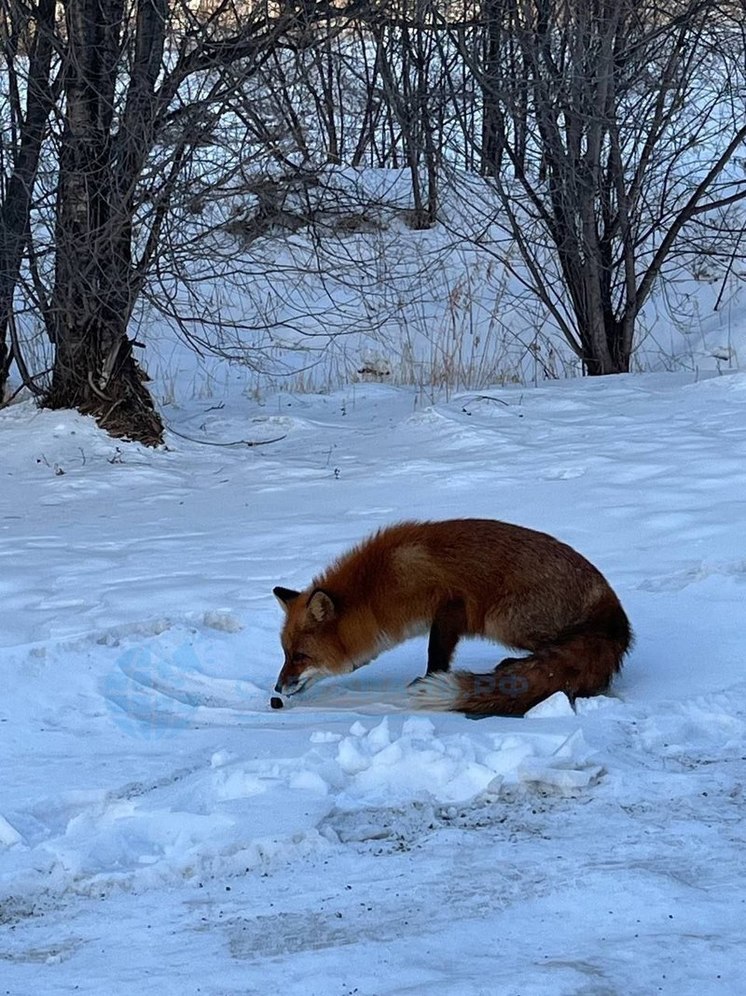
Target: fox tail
[[580, 662]]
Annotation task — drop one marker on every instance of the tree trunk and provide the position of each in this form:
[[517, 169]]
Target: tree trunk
[[94, 369], [493, 123], [16, 206]]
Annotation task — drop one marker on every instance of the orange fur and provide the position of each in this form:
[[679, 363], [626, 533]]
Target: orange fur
[[463, 577]]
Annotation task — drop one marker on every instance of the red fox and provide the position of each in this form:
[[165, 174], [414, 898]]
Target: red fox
[[463, 577]]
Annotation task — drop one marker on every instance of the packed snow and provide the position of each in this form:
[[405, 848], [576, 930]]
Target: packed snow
[[161, 829]]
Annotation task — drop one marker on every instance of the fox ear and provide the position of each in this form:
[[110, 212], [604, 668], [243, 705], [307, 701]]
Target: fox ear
[[285, 596], [321, 607]]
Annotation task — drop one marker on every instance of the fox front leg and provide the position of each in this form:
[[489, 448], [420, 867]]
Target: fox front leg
[[448, 626]]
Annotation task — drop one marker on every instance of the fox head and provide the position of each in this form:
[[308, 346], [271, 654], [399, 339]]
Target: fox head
[[310, 639]]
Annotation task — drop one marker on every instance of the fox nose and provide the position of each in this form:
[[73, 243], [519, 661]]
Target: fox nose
[[278, 687]]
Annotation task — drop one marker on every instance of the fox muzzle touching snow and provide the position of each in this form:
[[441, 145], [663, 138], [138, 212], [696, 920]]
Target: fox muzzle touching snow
[[462, 577]]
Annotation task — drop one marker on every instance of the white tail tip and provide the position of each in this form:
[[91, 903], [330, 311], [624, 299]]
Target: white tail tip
[[439, 691]]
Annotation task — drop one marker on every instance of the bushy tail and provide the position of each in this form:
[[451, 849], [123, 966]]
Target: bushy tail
[[582, 661]]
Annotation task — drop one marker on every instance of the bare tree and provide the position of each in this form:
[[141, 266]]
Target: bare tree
[[604, 130], [118, 88], [94, 369], [144, 83], [609, 127], [408, 58]]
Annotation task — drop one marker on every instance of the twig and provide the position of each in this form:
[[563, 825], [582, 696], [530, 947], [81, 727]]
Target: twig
[[235, 442], [104, 397], [728, 269]]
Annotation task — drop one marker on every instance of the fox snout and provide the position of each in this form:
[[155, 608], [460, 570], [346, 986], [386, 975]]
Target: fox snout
[[292, 680], [289, 689], [287, 682]]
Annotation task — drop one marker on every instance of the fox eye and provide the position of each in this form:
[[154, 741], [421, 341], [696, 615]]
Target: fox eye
[[299, 658]]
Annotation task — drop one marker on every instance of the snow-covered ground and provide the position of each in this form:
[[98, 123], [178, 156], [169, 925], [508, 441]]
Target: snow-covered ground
[[162, 830]]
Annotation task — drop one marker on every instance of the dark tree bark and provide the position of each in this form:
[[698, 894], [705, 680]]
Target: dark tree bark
[[493, 125], [16, 204], [94, 369]]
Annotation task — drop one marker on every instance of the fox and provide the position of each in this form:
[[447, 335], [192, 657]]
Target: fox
[[452, 579]]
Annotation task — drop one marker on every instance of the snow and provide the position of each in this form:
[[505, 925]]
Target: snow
[[162, 828]]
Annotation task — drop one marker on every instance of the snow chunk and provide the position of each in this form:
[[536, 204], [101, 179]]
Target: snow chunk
[[556, 705], [350, 758], [8, 834], [595, 703], [379, 737], [309, 781], [222, 620], [325, 737], [376, 767], [418, 727]]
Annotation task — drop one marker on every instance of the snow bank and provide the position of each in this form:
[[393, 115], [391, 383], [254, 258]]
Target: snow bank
[[233, 814]]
